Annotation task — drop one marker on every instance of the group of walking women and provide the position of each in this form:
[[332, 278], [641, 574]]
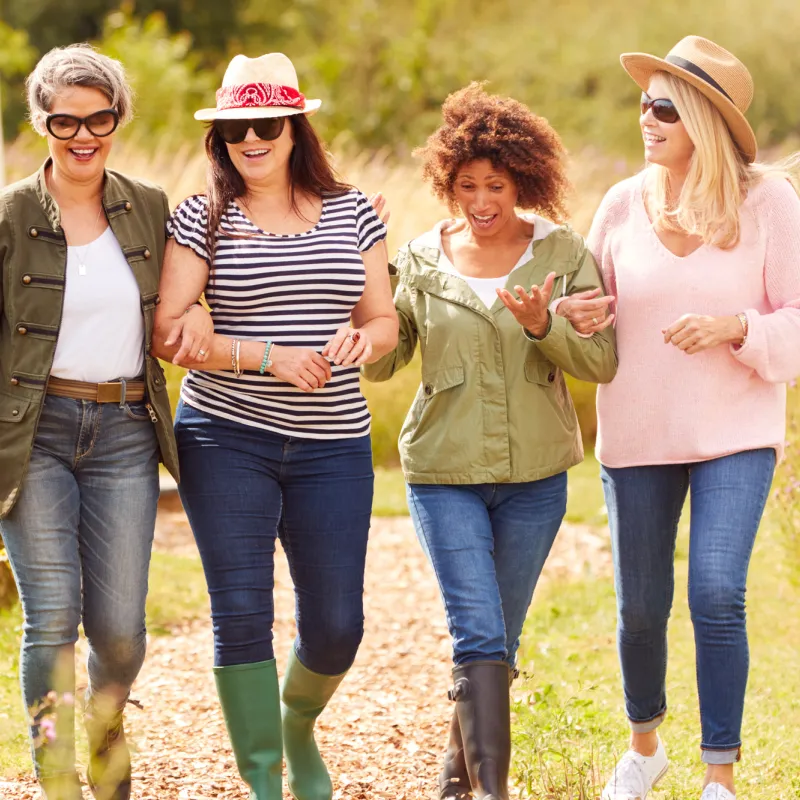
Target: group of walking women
[[684, 303]]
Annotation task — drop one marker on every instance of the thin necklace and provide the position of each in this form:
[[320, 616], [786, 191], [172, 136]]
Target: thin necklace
[[83, 254]]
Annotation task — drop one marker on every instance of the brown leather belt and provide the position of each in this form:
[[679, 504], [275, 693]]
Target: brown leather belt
[[112, 392]]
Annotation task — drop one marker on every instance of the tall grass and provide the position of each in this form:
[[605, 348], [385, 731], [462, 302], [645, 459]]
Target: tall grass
[[786, 491]]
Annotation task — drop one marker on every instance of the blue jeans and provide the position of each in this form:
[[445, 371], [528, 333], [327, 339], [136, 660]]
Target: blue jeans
[[727, 496], [487, 544], [79, 541], [242, 488]]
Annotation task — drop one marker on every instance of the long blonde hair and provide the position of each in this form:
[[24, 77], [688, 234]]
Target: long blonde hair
[[718, 179]]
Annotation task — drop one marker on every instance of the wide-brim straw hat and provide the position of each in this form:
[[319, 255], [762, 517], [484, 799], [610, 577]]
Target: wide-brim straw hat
[[259, 87], [714, 72]]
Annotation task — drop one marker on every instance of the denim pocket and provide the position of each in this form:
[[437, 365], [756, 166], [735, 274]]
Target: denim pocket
[[137, 411]]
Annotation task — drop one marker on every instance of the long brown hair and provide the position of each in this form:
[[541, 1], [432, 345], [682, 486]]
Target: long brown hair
[[310, 172]]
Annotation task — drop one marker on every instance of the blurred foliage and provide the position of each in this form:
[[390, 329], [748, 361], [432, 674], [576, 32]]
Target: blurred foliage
[[383, 68], [164, 71], [17, 56]]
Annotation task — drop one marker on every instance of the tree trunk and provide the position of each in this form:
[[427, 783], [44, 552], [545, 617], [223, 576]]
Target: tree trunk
[[8, 589]]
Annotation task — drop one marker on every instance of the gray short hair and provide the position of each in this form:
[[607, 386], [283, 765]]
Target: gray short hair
[[76, 65]]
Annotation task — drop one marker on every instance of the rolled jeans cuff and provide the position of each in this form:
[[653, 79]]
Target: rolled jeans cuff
[[648, 725], [717, 756]]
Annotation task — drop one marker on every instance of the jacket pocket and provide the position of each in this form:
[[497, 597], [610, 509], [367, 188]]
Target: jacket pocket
[[439, 380], [428, 424], [13, 408], [542, 372]]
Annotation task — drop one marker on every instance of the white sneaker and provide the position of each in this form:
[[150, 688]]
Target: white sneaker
[[635, 775], [716, 791]]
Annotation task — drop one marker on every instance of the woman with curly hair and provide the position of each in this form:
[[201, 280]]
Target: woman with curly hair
[[492, 430]]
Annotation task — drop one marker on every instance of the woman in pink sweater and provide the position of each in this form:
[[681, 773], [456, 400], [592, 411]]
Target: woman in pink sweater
[[701, 251]]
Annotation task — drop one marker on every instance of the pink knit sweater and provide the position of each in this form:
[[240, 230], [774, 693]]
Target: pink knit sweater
[[666, 407]]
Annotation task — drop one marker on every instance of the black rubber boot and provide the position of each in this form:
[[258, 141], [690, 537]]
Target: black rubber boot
[[481, 694], [454, 780]]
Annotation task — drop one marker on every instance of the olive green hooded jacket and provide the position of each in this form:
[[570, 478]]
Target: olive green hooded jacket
[[492, 406], [33, 259]]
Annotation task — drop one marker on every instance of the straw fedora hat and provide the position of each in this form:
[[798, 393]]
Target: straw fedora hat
[[259, 87], [713, 71]]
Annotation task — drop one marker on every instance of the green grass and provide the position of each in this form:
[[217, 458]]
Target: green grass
[[13, 741], [177, 592], [585, 503], [390, 493], [571, 726]]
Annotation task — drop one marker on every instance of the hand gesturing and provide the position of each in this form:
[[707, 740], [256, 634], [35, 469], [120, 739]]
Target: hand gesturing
[[531, 310]]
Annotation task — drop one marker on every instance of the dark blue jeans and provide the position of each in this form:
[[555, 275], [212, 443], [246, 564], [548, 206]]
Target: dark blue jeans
[[487, 544], [242, 488], [727, 498], [79, 541]]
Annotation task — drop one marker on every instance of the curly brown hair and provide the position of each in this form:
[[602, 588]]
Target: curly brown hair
[[478, 125]]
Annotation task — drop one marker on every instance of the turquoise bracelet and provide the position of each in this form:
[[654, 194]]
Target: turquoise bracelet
[[266, 362]]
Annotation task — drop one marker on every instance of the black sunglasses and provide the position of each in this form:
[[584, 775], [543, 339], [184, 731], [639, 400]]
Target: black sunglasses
[[66, 126], [663, 110], [234, 131]]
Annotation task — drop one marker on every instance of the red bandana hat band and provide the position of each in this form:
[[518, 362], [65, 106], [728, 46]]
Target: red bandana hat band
[[259, 95]]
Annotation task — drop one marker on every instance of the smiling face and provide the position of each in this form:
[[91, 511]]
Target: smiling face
[[81, 159], [665, 144], [262, 162], [486, 196]]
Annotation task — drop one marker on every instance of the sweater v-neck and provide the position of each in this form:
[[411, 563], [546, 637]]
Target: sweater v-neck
[[651, 228]]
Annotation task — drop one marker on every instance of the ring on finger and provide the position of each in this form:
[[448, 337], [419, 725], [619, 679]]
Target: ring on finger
[[594, 320], [354, 337], [201, 352]]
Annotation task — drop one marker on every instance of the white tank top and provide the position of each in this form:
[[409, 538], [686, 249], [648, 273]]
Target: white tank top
[[102, 327]]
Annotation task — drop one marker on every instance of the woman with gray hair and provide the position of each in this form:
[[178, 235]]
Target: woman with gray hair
[[84, 414]]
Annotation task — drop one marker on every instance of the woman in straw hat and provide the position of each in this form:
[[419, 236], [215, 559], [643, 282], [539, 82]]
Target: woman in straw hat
[[700, 251], [273, 432]]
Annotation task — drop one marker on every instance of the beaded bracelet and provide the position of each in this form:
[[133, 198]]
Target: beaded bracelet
[[266, 362]]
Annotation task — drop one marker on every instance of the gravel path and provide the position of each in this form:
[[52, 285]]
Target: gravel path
[[382, 734]]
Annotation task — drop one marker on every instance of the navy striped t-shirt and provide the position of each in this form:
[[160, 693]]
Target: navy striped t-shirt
[[291, 289]]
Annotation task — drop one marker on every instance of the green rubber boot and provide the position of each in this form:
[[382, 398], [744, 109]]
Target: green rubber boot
[[303, 698], [251, 706]]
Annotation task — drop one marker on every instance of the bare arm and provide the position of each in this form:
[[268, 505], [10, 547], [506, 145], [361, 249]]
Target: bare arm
[[374, 317], [183, 278]]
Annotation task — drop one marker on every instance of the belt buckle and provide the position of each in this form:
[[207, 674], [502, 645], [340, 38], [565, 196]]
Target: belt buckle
[[109, 392]]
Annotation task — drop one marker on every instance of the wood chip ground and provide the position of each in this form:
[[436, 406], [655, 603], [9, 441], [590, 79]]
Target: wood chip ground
[[382, 735]]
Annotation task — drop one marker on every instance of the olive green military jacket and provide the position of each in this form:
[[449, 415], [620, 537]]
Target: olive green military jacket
[[492, 406], [33, 259]]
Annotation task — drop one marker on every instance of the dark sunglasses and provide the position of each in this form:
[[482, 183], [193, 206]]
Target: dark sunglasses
[[234, 131], [663, 110], [66, 126]]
